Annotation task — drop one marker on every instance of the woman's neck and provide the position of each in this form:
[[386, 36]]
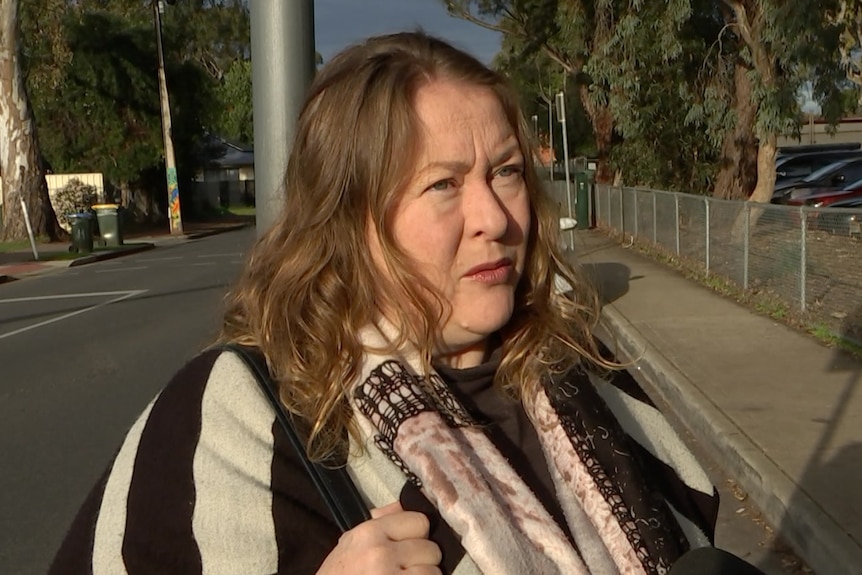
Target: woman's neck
[[466, 357]]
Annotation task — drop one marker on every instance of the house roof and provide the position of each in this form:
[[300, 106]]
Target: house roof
[[220, 153]]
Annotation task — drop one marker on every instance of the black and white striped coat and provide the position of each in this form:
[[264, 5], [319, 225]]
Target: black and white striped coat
[[206, 482]]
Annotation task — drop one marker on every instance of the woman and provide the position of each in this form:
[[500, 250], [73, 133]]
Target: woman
[[406, 305]]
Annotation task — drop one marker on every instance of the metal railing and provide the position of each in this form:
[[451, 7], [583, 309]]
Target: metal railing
[[808, 259]]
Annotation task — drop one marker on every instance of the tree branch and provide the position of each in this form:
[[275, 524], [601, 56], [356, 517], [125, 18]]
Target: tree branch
[[555, 55], [552, 52], [465, 14]]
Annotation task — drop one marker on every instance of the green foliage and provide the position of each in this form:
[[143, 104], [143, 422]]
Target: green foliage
[[104, 114], [676, 76], [537, 78], [645, 74], [234, 99], [91, 74]]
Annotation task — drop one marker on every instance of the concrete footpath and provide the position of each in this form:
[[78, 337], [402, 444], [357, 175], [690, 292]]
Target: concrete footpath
[[781, 413]]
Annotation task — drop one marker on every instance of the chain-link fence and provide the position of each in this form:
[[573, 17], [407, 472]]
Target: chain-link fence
[[807, 258]]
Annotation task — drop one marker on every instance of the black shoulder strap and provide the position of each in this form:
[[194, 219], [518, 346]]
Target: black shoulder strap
[[334, 484]]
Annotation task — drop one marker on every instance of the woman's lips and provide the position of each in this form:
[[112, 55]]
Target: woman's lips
[[491, 272]]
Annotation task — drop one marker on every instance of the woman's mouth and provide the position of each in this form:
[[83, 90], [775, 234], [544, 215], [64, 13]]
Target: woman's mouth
[[492, 273]]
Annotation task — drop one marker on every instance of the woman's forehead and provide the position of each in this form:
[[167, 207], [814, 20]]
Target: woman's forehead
[[455, 119]]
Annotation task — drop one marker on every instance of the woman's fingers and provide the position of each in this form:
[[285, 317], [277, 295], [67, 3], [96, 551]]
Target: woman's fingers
[[418, 552], [392, 541], [378, 512]]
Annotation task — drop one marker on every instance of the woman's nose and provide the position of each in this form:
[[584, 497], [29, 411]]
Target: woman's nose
[[485, 213]]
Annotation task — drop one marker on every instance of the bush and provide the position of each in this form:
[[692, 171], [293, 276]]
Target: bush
[[74, 198]]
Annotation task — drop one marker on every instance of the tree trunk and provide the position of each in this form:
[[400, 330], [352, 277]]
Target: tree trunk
[[603, 131], [766, 153], [762, 194], [21, 170], [737, 174]]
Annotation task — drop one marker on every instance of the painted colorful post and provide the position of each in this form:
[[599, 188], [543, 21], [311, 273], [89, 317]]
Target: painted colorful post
[[174, 214], [174, 202]]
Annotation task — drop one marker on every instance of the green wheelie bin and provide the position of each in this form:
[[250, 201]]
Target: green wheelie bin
[[110, 221], [583, 203], [82, 233]]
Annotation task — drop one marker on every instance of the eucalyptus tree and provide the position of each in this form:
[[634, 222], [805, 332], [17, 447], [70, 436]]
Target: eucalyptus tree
[[538, 79], [22, 171], [647, 74], [846, 16], [781, 48], [566, 31]]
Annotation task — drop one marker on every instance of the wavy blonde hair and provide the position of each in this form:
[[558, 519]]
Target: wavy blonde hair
[[311, 284]]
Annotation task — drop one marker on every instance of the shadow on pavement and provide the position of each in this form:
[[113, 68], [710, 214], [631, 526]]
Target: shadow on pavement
[[611, 279], [840, 473]]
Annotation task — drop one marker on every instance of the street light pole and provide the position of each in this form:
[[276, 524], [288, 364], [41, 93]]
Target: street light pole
[[174, 216], [282, 67]]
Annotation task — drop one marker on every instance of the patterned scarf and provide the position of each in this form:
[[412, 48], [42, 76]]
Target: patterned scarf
[[415, 430]]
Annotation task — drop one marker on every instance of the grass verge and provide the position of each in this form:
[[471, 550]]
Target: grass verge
[[760, 301]]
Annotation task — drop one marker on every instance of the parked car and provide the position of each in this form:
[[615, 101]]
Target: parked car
[[805, 148], [793, 168], [832, 177], [823, 199], [832, 220], [845, 219]]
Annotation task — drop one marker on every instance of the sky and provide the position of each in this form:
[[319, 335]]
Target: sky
[[340, 23]]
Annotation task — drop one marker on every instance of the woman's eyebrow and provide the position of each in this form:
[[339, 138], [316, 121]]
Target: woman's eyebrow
[[451, 165], [507, 154]]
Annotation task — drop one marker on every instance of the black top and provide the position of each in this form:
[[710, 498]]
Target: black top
[[508, 427]]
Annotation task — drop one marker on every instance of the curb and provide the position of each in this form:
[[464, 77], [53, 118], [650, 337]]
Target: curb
[[110, 255], [809, 530], [215, 232]]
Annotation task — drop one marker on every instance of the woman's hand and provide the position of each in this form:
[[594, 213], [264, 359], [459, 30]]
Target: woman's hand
[[392, 541]]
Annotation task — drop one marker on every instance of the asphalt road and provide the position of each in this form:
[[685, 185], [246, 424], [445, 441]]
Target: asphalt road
[[82, 352]]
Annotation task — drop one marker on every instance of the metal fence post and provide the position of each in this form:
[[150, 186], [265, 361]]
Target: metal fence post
[[745, 245], [635, 194], [607, 212], [622, 219], [676, 217], [803, 256], [706, 203], [654, 219], [598, 210]]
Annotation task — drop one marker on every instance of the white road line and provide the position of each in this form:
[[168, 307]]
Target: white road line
[[128, 269], [233, 255], [161, 259], [70, 296], [127, 295]]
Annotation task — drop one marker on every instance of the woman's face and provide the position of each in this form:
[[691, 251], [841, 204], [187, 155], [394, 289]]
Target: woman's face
[[464, 217]]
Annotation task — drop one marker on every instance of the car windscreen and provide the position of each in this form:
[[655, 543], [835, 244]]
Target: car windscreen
[[826, 170]]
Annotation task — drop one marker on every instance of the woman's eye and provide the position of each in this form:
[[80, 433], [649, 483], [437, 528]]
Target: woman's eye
[[440, 186], [507, 171]]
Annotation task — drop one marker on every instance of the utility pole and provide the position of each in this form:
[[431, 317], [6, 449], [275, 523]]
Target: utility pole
[[551, 139], [561, 118], [174, 215], [282, 56]]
